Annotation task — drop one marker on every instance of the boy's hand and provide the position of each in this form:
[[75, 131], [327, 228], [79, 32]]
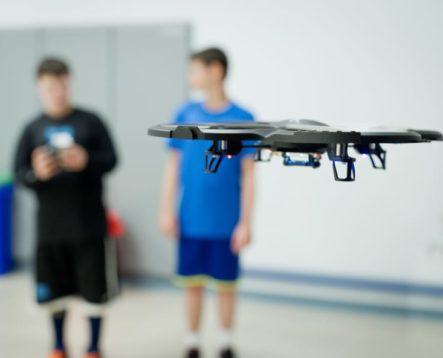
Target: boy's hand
[[44, 164], [241, 237], [169, 225], [74, 159]]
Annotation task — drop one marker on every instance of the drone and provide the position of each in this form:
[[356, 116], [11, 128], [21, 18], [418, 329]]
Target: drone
[[292, 139]]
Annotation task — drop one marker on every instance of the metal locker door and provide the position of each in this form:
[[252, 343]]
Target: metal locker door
[[19, 51], [150, 64]]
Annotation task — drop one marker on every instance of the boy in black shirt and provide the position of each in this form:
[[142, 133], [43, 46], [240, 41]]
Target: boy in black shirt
[[62, 155]]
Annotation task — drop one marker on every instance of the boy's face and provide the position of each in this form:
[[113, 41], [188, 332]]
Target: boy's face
[[202, 76], [54, 92]]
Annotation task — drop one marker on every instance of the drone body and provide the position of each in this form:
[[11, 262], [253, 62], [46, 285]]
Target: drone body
[[307, 137]]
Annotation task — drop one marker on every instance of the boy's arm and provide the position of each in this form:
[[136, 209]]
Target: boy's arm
[[22, 162], [168, 217], [103, 158], [32, 167], [242, 233]]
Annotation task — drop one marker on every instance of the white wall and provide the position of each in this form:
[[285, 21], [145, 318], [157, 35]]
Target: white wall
[[338, 61]]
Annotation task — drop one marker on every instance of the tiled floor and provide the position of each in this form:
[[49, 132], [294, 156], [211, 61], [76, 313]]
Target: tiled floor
[[147, 323]]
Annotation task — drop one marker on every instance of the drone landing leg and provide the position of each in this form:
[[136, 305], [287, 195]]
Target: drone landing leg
[[260, 157], [376, 154], [212, 162], [339, 153], [350, 170], [213, 159], [219, 149], [378, 157]]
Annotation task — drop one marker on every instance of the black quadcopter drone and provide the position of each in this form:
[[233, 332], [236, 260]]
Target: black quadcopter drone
[[294, 137]]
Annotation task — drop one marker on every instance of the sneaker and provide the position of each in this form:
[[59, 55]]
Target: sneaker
[[57, 353], [193, 353], [227, 353], [93, 355]]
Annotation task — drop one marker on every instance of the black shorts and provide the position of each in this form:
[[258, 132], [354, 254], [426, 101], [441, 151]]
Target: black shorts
[[87, 270]]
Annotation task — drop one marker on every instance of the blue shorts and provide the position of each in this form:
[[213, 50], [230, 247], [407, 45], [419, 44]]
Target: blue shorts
[[202, 262]]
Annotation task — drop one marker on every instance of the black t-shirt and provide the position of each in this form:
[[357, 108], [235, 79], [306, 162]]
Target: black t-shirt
[[70, 205]]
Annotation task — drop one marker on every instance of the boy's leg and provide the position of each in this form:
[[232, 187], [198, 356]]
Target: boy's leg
[[54, 283], [226, 306], [95, 313], [194, 308], [225, 269], [57, 309], [190, 269], [93, 282], [58, 320]]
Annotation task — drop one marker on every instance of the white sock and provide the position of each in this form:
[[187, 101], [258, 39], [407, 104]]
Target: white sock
[[226, 338], [192, 340]]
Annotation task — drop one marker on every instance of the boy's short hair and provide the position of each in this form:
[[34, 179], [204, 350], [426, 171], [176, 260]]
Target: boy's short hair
[[212, 55], [52, 66]]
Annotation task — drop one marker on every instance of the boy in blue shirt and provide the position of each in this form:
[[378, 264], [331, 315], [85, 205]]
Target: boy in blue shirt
[[213, 220]]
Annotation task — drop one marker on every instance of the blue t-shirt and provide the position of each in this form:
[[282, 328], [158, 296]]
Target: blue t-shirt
[[209, 204]]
